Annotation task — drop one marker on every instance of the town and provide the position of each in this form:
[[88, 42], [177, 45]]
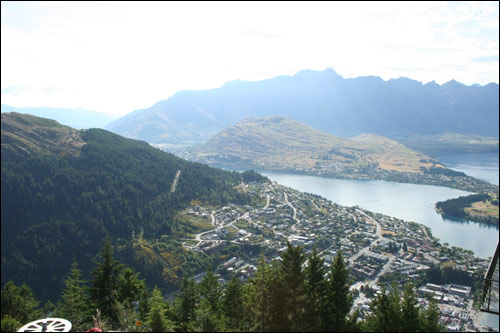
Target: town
[[331, 169], [377, 248]]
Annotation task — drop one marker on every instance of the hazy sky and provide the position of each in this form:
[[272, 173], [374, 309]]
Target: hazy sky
[[118, 57]]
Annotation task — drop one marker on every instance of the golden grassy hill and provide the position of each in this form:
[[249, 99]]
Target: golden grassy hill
[[280, 141]]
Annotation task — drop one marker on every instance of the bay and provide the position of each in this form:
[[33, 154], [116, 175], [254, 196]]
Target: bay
[[409, 202], [483, 166]]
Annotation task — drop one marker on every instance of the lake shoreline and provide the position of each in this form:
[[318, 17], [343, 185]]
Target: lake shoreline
[[410, 202]]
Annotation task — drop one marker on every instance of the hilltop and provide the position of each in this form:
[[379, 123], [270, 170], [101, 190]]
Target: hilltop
[[26, 135], [283, 143], [76, 118]]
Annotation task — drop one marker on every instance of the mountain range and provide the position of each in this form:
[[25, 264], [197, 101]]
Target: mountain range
[[325, 101]]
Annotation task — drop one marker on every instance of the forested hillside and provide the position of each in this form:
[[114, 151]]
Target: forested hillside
[[58, 206]]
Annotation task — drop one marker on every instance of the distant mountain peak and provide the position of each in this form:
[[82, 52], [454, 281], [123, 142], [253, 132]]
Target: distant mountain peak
[[453, 83], [311, 73], [323, 100], [233, 83]]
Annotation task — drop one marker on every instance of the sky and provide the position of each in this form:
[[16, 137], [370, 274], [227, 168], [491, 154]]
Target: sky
[[117, 57]]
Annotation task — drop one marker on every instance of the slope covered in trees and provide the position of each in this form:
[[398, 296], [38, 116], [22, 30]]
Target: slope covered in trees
[[57, 205], [292, 294]]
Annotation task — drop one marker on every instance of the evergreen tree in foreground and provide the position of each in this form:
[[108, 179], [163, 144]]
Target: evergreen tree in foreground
[[339, 299], [315, 296], [386, 312], [392, 313], [104, 290], [156, 318], [410, 313], [211, 290], [75, 304], [292, 286], [232, 304], [189, 299], [285, 295], [19, 304]]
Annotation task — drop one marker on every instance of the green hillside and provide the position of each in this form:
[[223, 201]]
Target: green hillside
[[60, 203]]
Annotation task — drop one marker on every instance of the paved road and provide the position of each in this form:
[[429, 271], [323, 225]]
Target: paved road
[[378, 233], [198, 236], [267, 203]]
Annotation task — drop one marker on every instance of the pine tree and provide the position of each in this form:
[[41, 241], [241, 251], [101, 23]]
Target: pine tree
[[410, 319], [126, 316], [105, 285], [144, 303], [206, 318], [156, 318], [386, 312], [339, 299], [258, 298], [130, 287], [75, 304], [10, 324], [19, 303], [48, 309], [315, 286], [189, 299], [232, 304], [292, 286], [211, 290]]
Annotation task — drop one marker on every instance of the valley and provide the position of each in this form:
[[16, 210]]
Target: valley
[[250, 167], [181, 216]]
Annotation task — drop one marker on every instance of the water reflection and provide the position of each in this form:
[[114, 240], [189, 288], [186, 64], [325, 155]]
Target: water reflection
[[465, 221]]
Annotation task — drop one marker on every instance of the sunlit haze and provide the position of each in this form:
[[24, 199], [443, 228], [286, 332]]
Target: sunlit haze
[[118, 57]]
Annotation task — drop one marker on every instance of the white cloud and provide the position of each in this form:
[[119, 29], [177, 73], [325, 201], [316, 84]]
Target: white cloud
[[118, 57]]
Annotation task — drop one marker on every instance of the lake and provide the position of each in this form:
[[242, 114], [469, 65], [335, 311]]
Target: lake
[[480, 166], [411, 202]]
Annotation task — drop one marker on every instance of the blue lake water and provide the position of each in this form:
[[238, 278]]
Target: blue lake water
[[481, 166], [411, 202]]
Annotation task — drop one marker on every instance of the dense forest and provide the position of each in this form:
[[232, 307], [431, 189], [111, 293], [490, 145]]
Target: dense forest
[[56, 207], [296, 293]]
